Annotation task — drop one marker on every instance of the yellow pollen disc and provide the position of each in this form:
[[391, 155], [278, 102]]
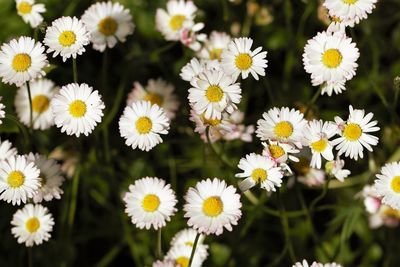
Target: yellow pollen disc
[[77, 109], [21, 62], [302, 166], [276, 151], [32, 225], [332, 58], [15, 179], [67, 38], [329, 166], [395, 184], [43, 180], [283, 129], [243, 61], [215, 54], [40, 103], [154, 99], [259, 175], [211, 122], [176, 22], [143, 125], [392, 213], [214, 93], [108, 26], [24, 8], [350, 2], [150, 203], [352, 132], [189, 244], [319, 145], [336, 19], [182, 261], [213, 206]]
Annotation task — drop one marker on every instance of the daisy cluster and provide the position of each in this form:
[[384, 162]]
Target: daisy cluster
[[304, 263]]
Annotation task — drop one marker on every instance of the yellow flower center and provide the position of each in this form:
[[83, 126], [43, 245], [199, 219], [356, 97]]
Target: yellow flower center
[[150, 203], [108, 26], [21, 62], [214, 93], [276, 151], [320, 145], [349, 2], [215, 54], [190, 244], [336, 19], [302, 166], [143, 125], [352, 131], [77, 109], [211, 122], [176, 22], [283, 129], [154, 99], [213, 206], [15, 179], [182, 261], [259, 175], [392, 213], [332, 58], [395, 184], [67, 38], [32, 225], [243, 61], [24, 8], [40, 103]]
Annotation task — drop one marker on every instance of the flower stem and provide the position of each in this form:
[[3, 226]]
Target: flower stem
[[320, 197], [285, 226], [22, 129], [196, 240], [220, 156], [74, 70], [251, 197], [74, 196], [28, 88], [159, 245], [312, 101]]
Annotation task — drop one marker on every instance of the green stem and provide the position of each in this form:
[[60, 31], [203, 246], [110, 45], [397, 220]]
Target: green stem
[[28, 88], [220, 157], [35, 33], [22, 129], [196, 240], [74, 196], [74, 70], [312, 101], [251, 197], [320, 197], [106, 144], [159, 244], [285, 226]]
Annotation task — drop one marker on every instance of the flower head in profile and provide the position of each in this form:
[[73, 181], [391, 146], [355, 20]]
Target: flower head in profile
[[215, 45], [350, 9], [336, 169], [186, 237], [6, 150], [30, 11]]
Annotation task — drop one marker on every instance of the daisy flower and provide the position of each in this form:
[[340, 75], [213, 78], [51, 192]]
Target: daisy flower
[[179, 13], [306, 174], [239, 59], [157, 92], [212, 206], [284, 125], [66, 37], [350, 9], [22, 60], [214, 45], [42, 92], [32, 225], [279, 152], [50, 178], [150, 202], [186, 237], [316, 135], [180, 255], [304, 263], [330, 58], [335, 169], [77, 109], [195, 67], [2, 112], [107, 24], [354, 133], [164, 263], [214, 92], [258, 169], [19, 179], [190, 36], [141, 125], [237, 129], [6, 150], [30, 12], [387, 185], [335, 86]]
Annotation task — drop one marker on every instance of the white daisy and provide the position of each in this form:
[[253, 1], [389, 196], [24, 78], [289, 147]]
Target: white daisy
[[195, 67], [280, 152], [190, 36], [179, 13], [258, 169], [2, 112], [22, 60], [32, 225], [355, 133], [350, 9], [335, 169], [42, 92], [238, 130], [332, 264], [305, 174], [239, 59], [66, 37], [164, 263], [157, 92], [77, 109], [186, 237], [330, 58], [215, 45], [329, 87], [6, 150], [19, 179], [214, 92], [150, 202], [180, 254], [141, 125], [387, 185], [50, 178], [316, 135], [107, 23], [304, 263], [212, 206], [282, 125], [30, 12]]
